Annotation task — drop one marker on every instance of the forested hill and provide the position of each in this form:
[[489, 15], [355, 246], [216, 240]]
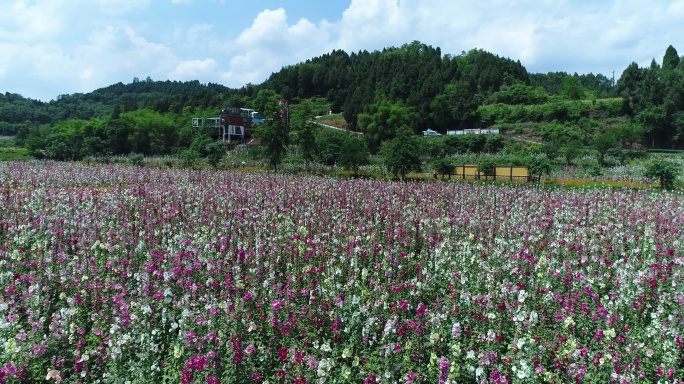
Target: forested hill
[[415, 83], [415, 74], [161, 96], [443, 89], [480, 89]]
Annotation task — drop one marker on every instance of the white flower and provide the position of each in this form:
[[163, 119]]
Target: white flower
[[346, 372], [534, 317], [568, 322], [323, 367], [10, 347], [521, 374], [520, 343]]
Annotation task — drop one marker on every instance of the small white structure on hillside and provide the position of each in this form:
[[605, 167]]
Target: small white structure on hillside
[[431, 133], [476, 131]]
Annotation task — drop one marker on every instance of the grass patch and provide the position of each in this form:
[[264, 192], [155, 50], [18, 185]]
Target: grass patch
[[14, 154], [336, 120], [590, 184], [335, 117]]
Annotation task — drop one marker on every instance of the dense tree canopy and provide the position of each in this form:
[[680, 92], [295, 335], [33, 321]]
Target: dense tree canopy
[[655, 96], [414, 74], [414, 86]]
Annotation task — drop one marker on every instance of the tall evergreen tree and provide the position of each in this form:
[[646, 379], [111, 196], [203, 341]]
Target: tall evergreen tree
[[671, 59], [305, 128]]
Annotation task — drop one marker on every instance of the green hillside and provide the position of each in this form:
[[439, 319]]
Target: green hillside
[[414, 86]]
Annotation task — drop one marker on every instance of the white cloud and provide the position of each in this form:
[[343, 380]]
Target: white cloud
[[111, 54], [65, 46], [122, 6], [195, 39], [122, 51], [271, 43], [193, 70], [566, 35], [21, 22], [371, 23]]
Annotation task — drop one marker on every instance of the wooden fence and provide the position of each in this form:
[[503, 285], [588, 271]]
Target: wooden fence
[[500, 172]]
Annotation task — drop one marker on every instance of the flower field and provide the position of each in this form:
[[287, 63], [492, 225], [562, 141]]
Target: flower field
[[118, 274]]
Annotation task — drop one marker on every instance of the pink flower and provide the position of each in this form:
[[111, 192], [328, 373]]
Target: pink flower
[[53, 374], [10, 369]]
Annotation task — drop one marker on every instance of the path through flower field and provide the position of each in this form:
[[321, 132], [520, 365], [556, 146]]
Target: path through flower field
[[118, 273]]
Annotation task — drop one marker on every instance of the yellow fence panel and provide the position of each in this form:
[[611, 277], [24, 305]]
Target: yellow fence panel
[[500, 172]]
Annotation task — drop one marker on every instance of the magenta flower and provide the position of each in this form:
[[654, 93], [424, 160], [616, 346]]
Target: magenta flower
[[598, 335], [421, 310]]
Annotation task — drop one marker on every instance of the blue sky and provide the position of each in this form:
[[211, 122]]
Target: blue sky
[[54, 47]]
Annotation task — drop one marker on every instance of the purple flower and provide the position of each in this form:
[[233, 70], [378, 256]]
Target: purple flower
[[456, 330], [443, 369]]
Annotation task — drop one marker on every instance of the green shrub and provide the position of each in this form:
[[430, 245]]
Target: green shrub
[[136, 159], [664, 171]]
